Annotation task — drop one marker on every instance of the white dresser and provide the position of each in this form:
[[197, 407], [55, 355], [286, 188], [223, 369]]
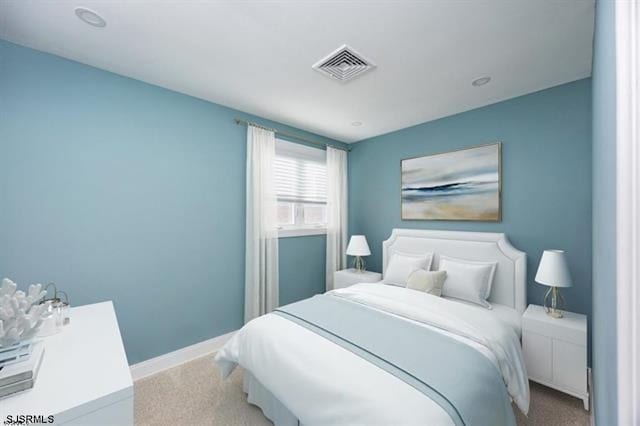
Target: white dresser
[[347, 277], [555, 351], [84, 378]]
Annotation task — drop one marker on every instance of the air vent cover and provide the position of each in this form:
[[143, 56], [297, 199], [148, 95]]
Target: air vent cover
[[344, 64]]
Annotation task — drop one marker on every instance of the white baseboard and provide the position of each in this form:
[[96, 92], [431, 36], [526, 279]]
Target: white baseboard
[[180, 356]]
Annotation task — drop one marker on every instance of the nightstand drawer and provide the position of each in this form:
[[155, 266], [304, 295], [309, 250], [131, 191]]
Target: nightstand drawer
[[572, 328], [569, 363], [537, 351]]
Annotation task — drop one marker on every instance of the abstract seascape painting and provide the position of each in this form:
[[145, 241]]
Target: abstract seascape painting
[[458, 185]]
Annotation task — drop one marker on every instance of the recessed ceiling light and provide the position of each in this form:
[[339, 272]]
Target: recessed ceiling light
[[481, 81], [90, 17], [356, 123]]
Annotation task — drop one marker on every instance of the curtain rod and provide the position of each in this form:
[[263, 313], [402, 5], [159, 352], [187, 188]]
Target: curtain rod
[[291, 135]]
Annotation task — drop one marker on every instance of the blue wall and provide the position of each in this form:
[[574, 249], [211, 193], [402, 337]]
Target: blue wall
[[604, 216], [546, 198], [302, 267], [119, 190]]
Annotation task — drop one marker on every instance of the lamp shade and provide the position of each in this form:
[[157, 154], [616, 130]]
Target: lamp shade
[[358, 246], [553, 270]]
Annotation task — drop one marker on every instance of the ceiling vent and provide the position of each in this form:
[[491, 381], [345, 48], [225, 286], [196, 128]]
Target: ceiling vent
[[344, 64]]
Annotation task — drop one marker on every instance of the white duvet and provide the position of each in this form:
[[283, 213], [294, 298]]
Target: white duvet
[[324, 384]]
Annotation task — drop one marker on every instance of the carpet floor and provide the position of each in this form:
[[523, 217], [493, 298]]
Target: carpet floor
[[194, 394]]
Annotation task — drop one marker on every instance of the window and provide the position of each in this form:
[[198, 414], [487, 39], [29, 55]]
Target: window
[[301, 184]]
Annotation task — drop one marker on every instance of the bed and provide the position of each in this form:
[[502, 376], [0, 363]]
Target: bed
[[382, 354]]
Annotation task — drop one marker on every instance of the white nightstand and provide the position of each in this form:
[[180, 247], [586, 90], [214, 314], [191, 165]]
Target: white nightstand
[[347, 277], [555, 351]]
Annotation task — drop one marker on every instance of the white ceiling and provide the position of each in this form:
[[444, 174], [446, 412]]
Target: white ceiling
[[256, 56]]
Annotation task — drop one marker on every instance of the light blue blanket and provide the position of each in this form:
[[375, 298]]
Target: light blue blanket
[[466, 384]]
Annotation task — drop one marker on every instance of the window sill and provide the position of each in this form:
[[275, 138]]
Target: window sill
[[300, 232]]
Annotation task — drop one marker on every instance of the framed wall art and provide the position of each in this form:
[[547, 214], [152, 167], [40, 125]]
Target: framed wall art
[[458, 185]]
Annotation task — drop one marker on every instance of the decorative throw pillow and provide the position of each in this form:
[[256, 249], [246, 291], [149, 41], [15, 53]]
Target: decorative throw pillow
[[468, 280], [402, 265], [428, 281]]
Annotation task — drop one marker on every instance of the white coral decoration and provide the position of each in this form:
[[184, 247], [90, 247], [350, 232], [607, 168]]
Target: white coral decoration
[[20, 319]]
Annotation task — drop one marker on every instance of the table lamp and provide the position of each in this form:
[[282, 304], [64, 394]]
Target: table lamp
[[553, 272], [358, 247]]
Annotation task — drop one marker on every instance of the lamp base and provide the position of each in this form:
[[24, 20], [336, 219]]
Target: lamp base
[[555, 311], [555, 314], [358, 264]]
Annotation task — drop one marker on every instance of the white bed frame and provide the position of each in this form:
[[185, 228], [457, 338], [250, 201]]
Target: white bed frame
[[510, 280]]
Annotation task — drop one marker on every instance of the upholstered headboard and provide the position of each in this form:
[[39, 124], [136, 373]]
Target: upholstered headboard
[[510, 280]]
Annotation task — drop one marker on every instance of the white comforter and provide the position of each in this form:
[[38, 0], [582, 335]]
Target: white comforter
[[324, 384]]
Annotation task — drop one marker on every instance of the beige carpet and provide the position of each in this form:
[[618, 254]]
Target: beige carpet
[[193, 394]]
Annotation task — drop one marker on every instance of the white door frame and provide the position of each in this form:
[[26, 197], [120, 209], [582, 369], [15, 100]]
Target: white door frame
[[628, 209]]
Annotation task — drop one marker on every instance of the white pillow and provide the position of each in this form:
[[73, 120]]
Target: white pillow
[[468, 280], [402, 265]]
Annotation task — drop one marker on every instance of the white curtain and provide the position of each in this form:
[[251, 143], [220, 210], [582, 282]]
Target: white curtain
[[261, 255], [336, 213]]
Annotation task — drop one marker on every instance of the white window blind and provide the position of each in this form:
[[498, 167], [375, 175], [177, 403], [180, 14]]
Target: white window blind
[[301, 173]]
